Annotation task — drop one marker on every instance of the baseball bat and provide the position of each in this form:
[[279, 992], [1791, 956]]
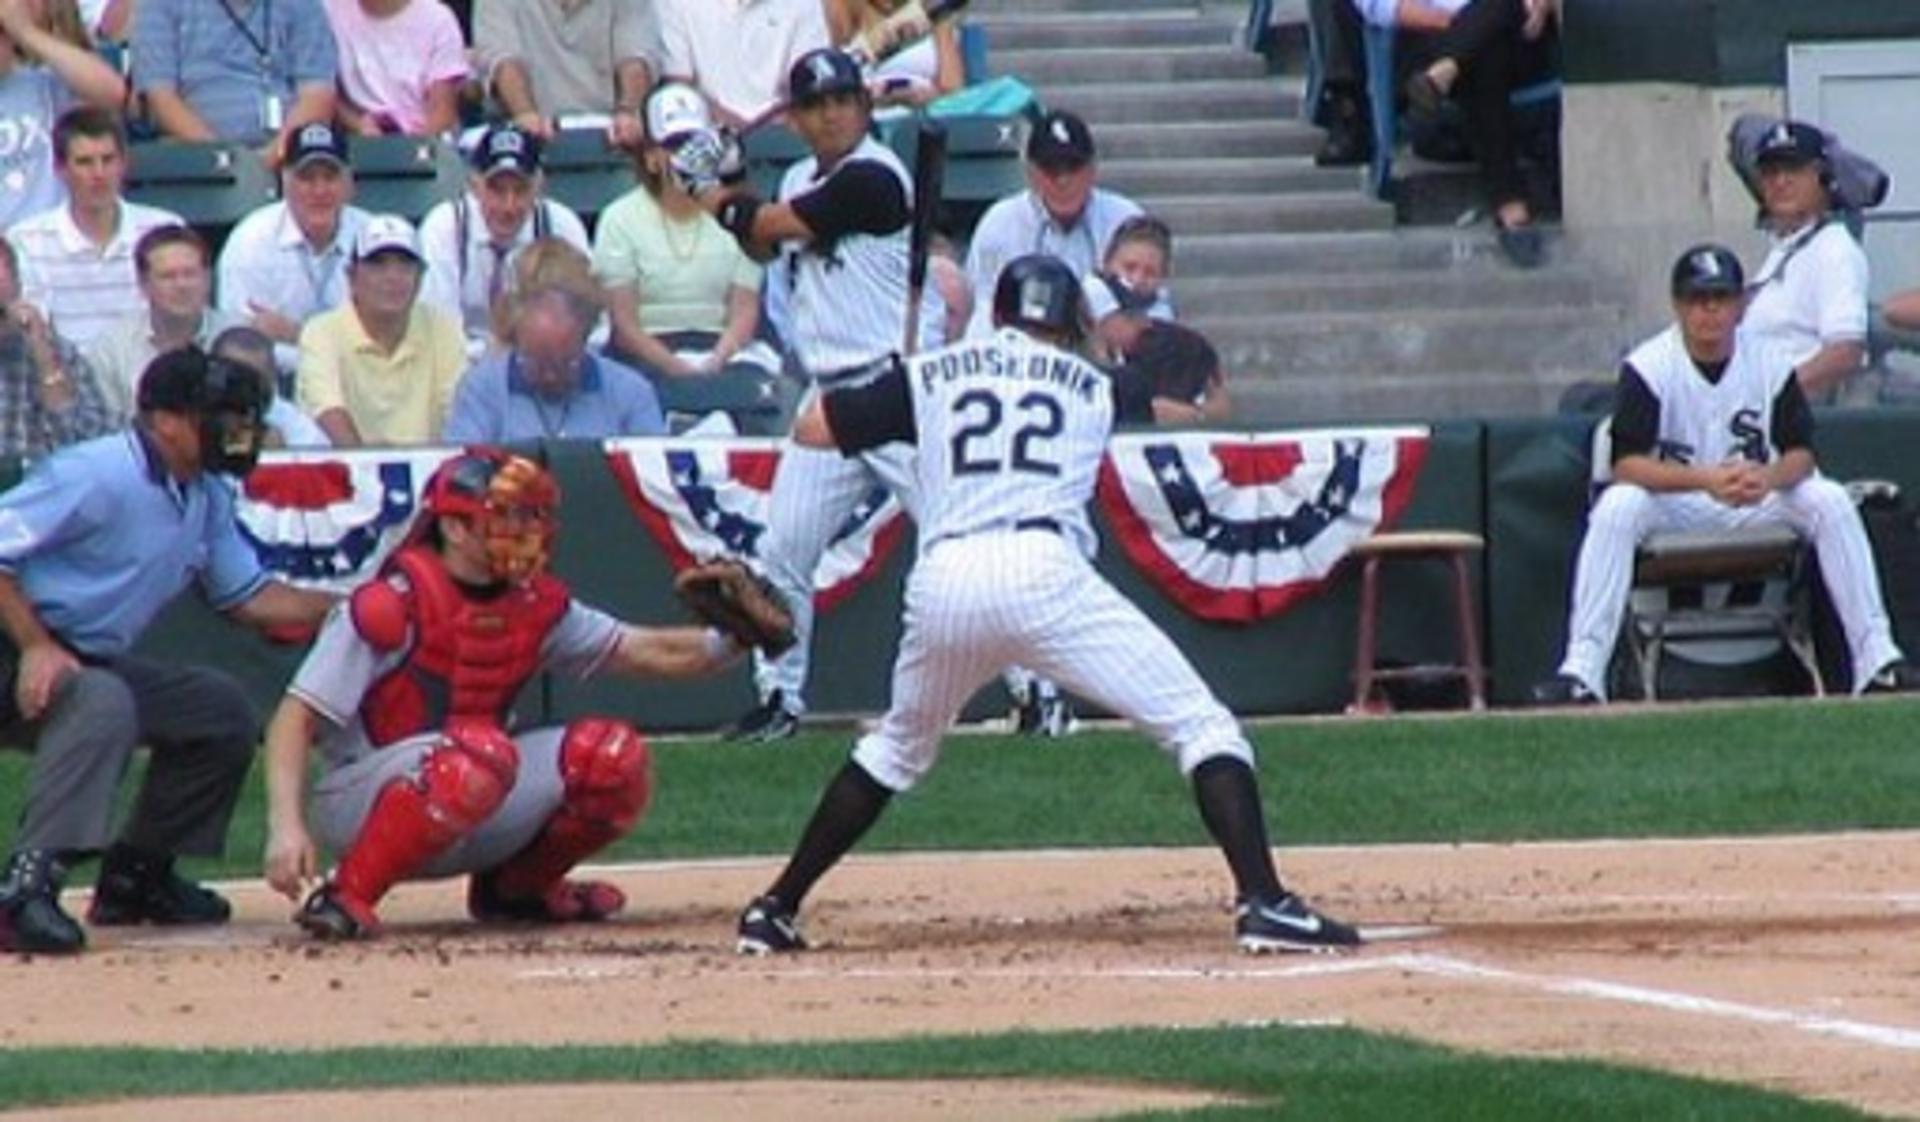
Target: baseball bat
[[929, 179]]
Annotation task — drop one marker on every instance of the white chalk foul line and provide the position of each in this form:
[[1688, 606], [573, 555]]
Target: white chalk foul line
[[1885, 1036]]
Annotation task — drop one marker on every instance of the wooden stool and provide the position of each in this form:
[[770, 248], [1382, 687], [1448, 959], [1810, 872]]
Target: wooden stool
[[1456, 548]]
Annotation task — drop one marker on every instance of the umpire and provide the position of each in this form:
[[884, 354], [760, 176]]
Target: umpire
[[94, 543]]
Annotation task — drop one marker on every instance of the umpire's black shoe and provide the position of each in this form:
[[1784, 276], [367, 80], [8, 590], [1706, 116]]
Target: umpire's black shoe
[[138, 888], [770, 720], [1897, 676], [768, 927], [1563, 690], [1288, 924], [31, 919]]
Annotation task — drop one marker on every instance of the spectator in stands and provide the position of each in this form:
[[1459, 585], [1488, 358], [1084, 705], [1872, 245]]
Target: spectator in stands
[[250, 71], [402, 66], [1129, 289], [1181, 370], [912, 75], [1486, 49], [472, 239], [550, 385], [175, 271], [1062, 212], [544, 62], [1810, 294], [286, 262], [287, 426], [382, 368], [1343, 109], [1711, 430], [76, 260], [947, 276], [49, 395], [42, 75], [738, 55], [683, 296]]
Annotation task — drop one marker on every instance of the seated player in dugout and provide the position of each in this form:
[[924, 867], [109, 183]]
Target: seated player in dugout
[[408, 696]]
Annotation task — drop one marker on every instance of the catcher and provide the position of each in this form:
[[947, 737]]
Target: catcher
[[408, 694]]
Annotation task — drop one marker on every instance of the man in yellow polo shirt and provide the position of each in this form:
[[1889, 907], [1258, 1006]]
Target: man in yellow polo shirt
[[381, 368]]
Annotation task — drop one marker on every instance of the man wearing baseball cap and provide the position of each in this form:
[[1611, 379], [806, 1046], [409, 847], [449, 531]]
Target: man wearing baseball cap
[[472, 239], [1711, 430], [286, 262], [1062, 212], [382, 368], [1810, 294]]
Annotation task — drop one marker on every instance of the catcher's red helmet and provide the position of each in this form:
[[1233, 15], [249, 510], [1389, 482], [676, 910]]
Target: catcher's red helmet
[[510, 499]]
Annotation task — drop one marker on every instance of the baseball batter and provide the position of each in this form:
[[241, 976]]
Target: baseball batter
[[408, 693], [843, 221], [1008, 433], [1711, 430]]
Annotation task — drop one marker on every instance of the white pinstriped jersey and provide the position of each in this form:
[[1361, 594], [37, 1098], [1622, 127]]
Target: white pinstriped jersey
[[1010, 430], [849, 294], [1711, 422]]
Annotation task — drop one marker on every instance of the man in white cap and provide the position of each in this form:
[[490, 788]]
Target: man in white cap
[[287, 261], [473, 238], [382, 368]]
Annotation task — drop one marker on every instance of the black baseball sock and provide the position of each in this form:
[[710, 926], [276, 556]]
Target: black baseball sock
[[1229, 798], [849, 806]]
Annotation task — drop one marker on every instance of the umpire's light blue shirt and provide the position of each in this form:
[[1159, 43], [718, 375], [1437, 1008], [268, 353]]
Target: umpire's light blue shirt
[[101, 538]]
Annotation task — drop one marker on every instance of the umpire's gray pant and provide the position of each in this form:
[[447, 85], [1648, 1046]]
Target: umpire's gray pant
[[202, 731]]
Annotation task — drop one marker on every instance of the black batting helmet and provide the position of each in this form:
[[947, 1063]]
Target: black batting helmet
[[1039, 292], [1707, 270]]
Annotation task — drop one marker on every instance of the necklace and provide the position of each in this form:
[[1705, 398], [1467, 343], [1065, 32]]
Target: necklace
[[554, 427], [683, 238]]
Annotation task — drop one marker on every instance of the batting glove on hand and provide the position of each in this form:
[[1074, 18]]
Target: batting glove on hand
[[708, 160]]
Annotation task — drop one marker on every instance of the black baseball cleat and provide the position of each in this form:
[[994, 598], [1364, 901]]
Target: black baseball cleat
[[31, 919], [135, 889], [1287, 924], [768, 721], [769, 927], [1897, 676], [1045, 714], [330, 915], [1563, 690]]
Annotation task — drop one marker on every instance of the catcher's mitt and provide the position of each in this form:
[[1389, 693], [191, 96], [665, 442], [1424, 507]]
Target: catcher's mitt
[[707, 160], [728, 595]]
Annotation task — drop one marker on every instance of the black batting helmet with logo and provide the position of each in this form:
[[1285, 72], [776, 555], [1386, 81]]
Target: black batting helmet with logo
[[1041, 293], [1708, 270]]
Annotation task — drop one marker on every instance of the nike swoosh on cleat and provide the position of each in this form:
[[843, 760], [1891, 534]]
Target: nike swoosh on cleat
[[1309, 925]]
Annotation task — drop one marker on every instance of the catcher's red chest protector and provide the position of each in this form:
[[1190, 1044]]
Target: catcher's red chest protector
[[470, 657]]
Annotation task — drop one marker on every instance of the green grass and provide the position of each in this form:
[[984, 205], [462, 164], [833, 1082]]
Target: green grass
[[1282, 1072], [1762, 768]]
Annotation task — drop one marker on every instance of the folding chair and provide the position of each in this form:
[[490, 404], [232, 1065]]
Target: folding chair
[[584, 173], [211, 186], [404, 175]]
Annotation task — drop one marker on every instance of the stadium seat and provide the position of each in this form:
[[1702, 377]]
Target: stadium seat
[[770, 150], [583, 173], [404, 175], [212, 186]]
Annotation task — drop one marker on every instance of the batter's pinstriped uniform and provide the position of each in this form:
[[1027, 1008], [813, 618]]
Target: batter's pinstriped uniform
[[848, 308], [1671, 410], [1009, 433]]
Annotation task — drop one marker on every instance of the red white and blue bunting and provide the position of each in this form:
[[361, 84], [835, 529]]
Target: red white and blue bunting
[[700, 498], [327, 519], [1237, 527]]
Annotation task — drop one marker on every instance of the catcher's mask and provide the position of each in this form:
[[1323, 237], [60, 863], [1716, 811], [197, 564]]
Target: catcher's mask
[[511, 502], [228, 399]]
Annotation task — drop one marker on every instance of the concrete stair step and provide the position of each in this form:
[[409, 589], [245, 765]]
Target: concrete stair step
[[1366, 343], [1148, 63], [992, 10], [1010, 31], [1231, 176], [1277, 135], [1388, 292], [1301, 212], [1108, 103], [1342, 397], [1248, 253]]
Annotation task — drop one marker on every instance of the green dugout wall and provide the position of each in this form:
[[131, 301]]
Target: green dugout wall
[[1523, 483]]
